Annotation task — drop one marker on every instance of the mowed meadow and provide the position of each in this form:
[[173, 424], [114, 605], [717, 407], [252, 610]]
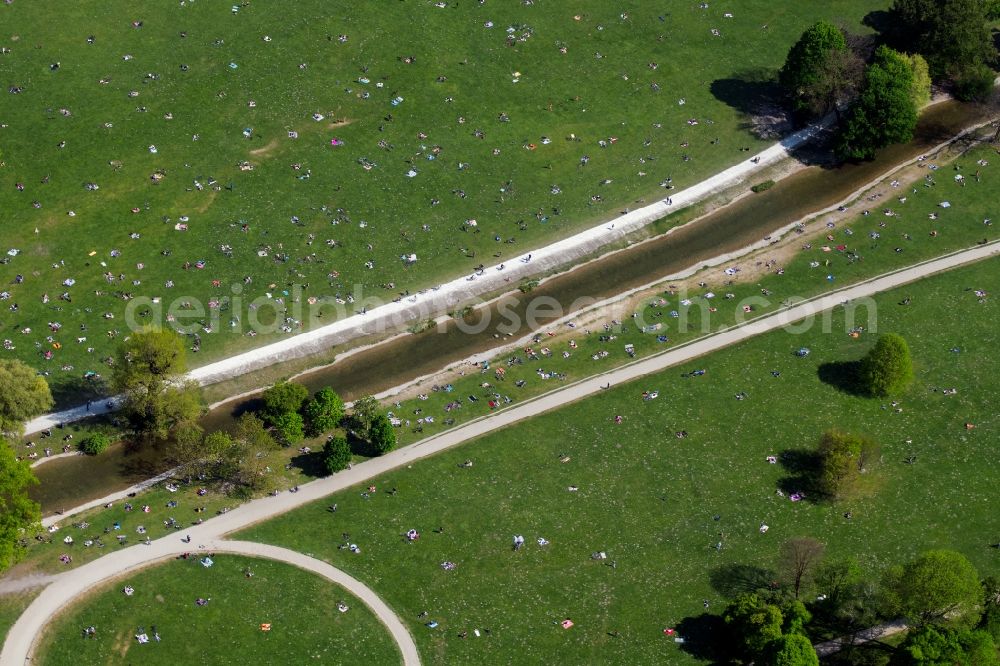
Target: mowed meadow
[[679, 518], [237, 162]]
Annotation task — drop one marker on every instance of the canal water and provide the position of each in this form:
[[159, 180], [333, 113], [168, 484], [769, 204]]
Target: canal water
[[71, 481]]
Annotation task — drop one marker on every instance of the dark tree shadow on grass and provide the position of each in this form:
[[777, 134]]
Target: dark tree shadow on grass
[[72, 392], [310, 464], [761, 100], [360, 447], [803, 467], [731, 580], [704, 638], [842, 375], [749, 91]]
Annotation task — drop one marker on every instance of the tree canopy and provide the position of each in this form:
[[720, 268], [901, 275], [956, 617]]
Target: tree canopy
[[324, 412], [363, 415], [798, 559], [95, 444], [939, 646], [336, 454], [820, 70], [23, 395], [150, 373], [289, 428], [938, 583], [888, 367], [885, 111], [791, 650], [17, 511], [953, 35], [383, 435], [283, 398], [239, 459], [752, 624], [842, 457]]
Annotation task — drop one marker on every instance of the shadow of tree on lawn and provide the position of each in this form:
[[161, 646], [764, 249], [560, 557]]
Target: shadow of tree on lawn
[[731, 580], [842, 375], [803, 467], [757, 95], [704, 638]]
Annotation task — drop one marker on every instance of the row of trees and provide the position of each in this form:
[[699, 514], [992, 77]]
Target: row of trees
[[876, 89], [24, 394], [954, 617], [160, 404], [288, 409]]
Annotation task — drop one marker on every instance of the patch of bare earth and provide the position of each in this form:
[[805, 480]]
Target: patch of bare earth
[[265, 150]]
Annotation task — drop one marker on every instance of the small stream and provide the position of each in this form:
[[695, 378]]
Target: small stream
[[71, 481]]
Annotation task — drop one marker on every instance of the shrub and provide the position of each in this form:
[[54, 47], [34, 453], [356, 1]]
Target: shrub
[[95, 444], [336, 454], [528, 286], [888, 367], [762, 187]]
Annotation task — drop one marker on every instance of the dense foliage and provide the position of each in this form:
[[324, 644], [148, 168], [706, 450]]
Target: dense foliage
[[149, 373], [888, 367], [23, 395], [885, 111]]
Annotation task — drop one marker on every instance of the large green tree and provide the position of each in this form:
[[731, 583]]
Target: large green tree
[[885, 111], [363, 413], [239, 459], [150, 373], [283, 398], [17, 511], [921, 91], [23, 395], [289, 428], [336, 454], [888, 367], [383, 435], [939, 646], [953, 35], [842, 458], [820, 72], [938, 584], [790, 650], [752, 624], [324, 412]]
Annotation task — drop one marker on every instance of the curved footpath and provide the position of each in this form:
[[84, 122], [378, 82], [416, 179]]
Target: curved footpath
[[70, 585], [22, 636], [442, 298]]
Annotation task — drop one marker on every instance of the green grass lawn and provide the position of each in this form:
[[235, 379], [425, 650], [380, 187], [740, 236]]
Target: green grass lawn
[[301, 608], [865, 246], [11, 607], [960, 225], [658, 505], [211, 90]]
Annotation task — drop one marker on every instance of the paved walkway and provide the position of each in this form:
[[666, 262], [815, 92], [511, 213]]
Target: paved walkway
[[55, 597], [68, 586], [873, 634], [443, 298]]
